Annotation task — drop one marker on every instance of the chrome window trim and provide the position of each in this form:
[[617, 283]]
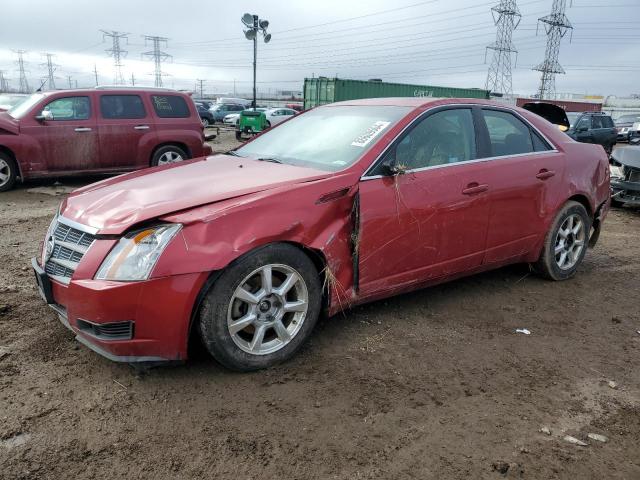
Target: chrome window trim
[[554, 149], [78, 226]]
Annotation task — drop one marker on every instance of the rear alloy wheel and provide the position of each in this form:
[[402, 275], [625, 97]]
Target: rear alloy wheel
[[8, 172], [168, 154], [262, 308], [566, 243]]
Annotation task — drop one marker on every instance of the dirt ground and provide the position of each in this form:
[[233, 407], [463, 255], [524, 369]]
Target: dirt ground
[[431, 385]]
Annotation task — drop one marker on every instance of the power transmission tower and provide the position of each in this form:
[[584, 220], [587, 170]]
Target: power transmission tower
[[95, 72], [51, 68], [70, 80], [117, 52], [507, 17], [556, 26], [201, 84], [24, 84], [133, 80], [157, 55], [4, 84]]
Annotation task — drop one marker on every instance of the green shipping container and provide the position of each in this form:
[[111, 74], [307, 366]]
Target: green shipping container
[[323, 90]]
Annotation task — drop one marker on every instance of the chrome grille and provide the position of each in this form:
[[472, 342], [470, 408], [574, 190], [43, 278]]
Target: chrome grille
[[67, 246]]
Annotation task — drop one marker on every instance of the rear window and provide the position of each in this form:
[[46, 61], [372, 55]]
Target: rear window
[[170, 106], [122, 106]]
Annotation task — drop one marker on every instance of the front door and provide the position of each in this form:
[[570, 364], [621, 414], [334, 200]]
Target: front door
[[69, 138], [430, 220]]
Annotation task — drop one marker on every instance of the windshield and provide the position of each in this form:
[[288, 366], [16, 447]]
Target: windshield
[[628, 119], [8, 101], [326, 138], [21, 109]]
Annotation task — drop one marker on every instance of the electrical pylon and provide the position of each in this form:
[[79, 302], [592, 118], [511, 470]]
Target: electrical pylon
[[117, 52], [507, 17], [157, 55], [556, 26]]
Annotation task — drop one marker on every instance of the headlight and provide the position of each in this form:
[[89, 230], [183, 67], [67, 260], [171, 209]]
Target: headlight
[[616, 172], [135, 255]]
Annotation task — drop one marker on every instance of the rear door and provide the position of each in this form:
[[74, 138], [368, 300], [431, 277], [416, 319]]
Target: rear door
[[525, 173], [70, 139], [430, 221], [126, 131]]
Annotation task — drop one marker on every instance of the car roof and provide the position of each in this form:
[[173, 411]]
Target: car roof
[[115, 89], [419, 102]]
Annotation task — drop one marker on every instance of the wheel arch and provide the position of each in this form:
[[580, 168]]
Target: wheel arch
[[584, 201], [10, 153], [317, 258]]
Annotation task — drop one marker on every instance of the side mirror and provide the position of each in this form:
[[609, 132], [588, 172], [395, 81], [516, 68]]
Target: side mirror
[[389, 168], [44, 116]]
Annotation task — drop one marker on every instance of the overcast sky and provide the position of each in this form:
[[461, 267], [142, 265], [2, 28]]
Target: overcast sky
[[437, 42]]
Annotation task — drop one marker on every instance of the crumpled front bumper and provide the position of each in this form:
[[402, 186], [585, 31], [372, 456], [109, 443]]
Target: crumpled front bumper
[[159, 311]]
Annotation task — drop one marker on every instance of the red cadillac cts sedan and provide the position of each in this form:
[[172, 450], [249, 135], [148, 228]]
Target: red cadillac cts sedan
[[340, 205]]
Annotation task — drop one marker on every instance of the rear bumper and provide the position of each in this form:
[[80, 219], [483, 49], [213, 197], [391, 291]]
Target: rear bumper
[[159, 311]]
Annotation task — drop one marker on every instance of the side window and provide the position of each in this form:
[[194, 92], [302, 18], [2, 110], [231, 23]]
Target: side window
[[539, 145], [237, 108], [70, 108], [122, 106], [607, 122], [442, 138], [584, 122], [596, 122], [170, 106], [508, 134]]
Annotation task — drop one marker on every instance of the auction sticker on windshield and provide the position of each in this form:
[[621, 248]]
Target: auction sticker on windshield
[[372, 132]]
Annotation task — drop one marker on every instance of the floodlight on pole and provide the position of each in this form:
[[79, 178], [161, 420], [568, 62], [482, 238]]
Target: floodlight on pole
[[255, 25]]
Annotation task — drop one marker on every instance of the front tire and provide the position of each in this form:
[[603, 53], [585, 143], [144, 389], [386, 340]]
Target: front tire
[[262, 308], [167, 155], [566, 243], [8, 172]]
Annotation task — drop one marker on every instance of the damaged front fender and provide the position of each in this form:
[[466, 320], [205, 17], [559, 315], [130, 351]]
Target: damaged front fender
[[317, 215]]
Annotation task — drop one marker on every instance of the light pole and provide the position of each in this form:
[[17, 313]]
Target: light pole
[[254, 26]]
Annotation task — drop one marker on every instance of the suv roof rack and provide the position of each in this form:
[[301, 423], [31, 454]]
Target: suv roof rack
[[129, 87]]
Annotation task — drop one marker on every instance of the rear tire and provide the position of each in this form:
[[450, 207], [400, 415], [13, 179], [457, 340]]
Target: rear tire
[[565, 244], [8, 172], [168, 154], [248, 322]]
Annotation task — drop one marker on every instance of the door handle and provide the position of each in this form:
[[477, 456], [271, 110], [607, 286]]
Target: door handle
[[141, 127], [544, 174], [475, 188], [82, 129]]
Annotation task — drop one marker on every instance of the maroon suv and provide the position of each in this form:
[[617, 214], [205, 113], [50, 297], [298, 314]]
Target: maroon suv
[[101, 130]]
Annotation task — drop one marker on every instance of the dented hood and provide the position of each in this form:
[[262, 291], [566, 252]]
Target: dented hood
[[116, 204], [8, 123]]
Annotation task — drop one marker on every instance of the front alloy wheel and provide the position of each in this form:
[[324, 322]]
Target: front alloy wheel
[[261, 308], [267, 309]]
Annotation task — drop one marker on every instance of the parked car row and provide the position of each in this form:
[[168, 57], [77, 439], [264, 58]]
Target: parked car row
[[96, 131]]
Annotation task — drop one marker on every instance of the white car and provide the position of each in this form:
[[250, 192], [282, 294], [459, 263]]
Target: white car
[[278, 115], [232, 118]]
